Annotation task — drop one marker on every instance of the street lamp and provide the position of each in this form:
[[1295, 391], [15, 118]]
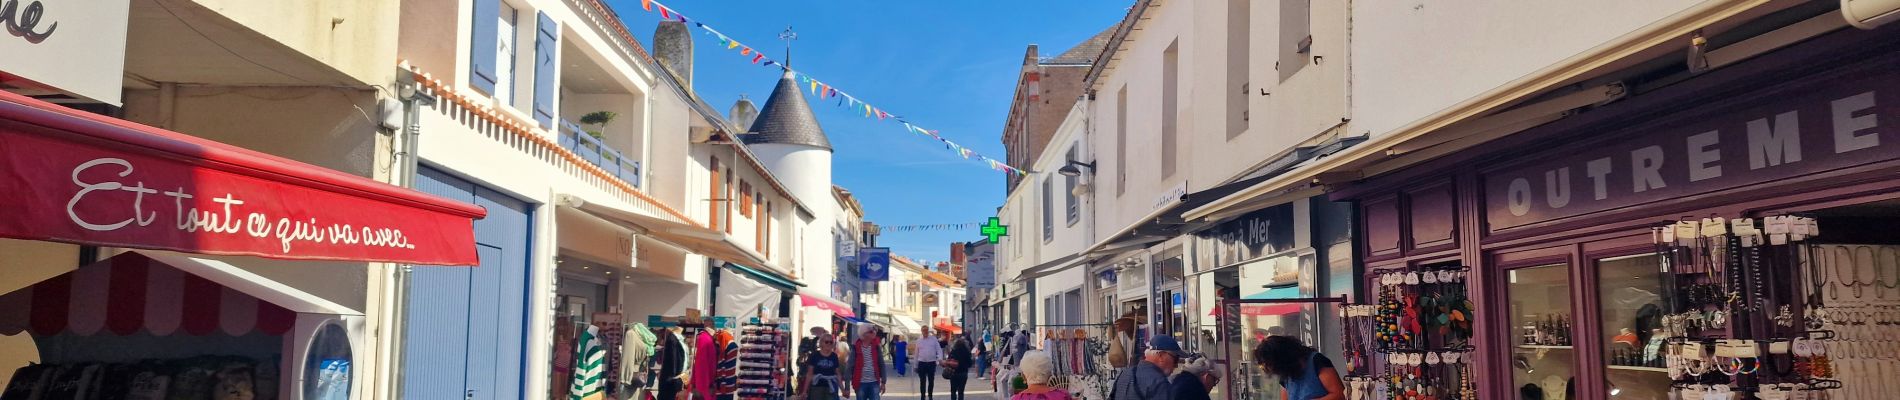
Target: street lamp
[[1071, 170]]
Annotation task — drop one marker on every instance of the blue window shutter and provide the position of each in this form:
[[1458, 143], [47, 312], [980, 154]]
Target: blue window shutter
[[544, 48], [483, 46]]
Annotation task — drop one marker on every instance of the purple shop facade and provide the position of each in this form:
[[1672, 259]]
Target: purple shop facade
[[1810, 126]]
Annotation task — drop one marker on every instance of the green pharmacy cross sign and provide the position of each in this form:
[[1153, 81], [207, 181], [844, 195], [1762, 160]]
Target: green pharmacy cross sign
[[995, 230]]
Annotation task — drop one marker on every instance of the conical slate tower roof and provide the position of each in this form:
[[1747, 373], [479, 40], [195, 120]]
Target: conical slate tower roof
[[787, 119]]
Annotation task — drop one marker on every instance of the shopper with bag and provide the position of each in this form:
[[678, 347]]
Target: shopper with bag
[[957, 370]]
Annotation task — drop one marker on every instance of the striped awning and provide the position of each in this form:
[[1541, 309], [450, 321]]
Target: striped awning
[[161, 294]]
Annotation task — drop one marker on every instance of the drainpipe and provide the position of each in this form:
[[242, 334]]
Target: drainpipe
[[414, 101]]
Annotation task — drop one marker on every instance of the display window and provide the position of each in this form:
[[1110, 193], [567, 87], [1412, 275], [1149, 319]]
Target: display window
[[1543, 357]]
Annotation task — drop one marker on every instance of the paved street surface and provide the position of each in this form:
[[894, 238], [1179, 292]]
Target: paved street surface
[[905, 387]]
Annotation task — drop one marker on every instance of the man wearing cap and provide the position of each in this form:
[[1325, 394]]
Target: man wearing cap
[[1148, 380]]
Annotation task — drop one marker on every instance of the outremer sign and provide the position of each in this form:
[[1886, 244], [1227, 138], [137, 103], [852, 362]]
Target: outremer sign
[[1845, 121], [72, 46]]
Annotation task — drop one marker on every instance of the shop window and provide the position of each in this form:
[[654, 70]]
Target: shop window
[[1543, 358], [1630, 289], [327, 367]]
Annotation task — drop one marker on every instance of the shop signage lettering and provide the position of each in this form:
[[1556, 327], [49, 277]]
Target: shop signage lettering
[[115, 195], [22, 21], [1846, 123], [1251, 236], [220, 219], [74, 46]]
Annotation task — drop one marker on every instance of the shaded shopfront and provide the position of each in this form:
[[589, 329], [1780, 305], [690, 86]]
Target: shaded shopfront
[[1259, 274], [192, 289], [1578, 291]]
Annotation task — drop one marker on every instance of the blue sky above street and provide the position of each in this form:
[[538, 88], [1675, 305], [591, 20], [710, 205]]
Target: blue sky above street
[[948, 66]]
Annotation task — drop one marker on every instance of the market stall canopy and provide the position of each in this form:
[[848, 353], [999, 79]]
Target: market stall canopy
[[83, 178], [821, 302], [686, 236], [159, 293], [944, 325], [1053, 266], [889, 324], [908, 324]]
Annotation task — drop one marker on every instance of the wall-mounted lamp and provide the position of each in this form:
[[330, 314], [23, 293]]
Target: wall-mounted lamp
[[1072, 170]]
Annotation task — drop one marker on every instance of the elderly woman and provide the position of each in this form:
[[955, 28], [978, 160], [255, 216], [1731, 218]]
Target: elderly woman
[[1037, 369], [1194, 380]]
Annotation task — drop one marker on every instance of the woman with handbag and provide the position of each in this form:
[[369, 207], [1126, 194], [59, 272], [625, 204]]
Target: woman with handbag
[[957, 367]]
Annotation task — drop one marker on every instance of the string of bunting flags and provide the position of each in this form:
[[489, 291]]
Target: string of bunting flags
[[931, 227], [825, 90]]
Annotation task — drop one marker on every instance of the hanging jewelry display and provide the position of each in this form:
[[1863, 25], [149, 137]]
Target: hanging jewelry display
[[1730, 335], [1415, 342]]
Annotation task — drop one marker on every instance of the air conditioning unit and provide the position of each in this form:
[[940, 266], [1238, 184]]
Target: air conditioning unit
[[1868, 14]]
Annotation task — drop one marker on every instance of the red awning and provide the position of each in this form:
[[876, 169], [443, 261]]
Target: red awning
[[76, 177], [946, 326], [827, 304], [160, 294]]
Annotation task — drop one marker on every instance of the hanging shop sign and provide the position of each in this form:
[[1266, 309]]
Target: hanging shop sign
[[76, 47], [874, 264], [981, 264], [81, 178], [1251, 236], [1798, 129]]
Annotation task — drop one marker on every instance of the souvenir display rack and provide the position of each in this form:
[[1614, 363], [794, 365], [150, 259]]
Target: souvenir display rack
[[1737, 326], [764, 354], [1416, 342]]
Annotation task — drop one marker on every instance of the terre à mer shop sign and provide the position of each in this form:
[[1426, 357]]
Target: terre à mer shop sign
[[1845, 121], [109, 194]]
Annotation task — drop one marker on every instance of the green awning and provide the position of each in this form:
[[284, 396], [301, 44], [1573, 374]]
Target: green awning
[[767, 277]]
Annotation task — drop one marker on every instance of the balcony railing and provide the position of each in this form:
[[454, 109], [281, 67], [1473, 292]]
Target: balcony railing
[[622, 181], [590, 148]]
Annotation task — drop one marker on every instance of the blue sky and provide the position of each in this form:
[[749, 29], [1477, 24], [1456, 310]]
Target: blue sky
[[945, 65]]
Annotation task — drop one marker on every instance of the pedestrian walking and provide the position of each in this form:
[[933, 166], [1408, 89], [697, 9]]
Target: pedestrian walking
[[1303, 371], [1148, 380], [867, 365], [900, 354], [929, 352], [983, 357], [1038, 370], [821, 376], [962, 357], [808, 346]]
